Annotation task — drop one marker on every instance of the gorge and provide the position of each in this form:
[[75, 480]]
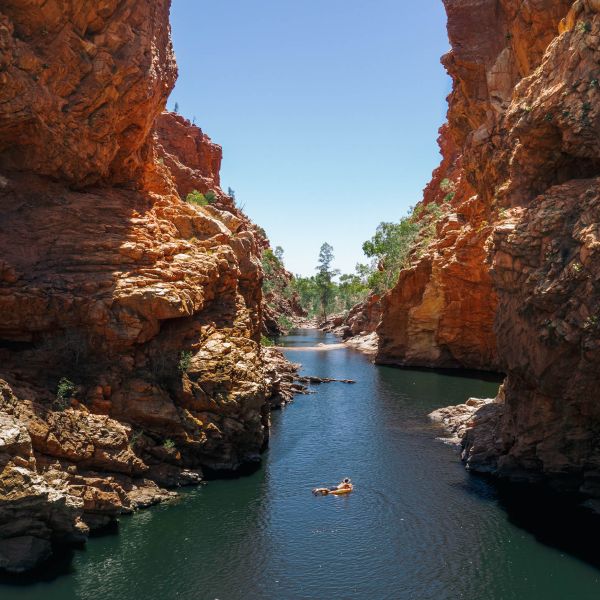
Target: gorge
[[134, 296]]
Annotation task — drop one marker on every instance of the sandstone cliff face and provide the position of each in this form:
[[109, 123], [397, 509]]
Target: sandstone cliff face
[[522, 139], [545, 262], [441, 311], [149, 306], [193, 160]]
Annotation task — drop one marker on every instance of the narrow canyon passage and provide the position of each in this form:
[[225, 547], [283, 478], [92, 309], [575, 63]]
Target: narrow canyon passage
[[417, 526]]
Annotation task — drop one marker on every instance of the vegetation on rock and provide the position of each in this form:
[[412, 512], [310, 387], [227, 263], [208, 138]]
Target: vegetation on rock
[[199, 199], [64, 392]]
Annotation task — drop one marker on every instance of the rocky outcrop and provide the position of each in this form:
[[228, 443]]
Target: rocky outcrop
[[523, 122], [357, 327], [130, 320], [35, 511], [193, 160], [364, 318], [474, 427]]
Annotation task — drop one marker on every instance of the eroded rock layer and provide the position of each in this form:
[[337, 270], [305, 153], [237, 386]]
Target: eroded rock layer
[[130, 320], [520, 247]]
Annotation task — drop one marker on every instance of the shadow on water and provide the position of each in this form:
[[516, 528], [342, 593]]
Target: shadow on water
[[61, 561], [489, 376], [57, 566], [244, 470], [552, 518]]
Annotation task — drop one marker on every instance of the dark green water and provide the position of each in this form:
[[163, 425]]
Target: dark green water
[[417, 527]]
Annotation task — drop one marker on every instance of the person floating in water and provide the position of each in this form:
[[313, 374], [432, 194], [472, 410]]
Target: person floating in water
[[345, 487], [346, 484]]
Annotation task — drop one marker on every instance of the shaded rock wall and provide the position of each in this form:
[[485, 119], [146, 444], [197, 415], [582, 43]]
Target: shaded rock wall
[[521, 145], [545, 262]]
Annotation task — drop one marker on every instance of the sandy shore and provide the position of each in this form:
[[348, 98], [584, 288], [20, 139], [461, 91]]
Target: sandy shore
[[320, 348]]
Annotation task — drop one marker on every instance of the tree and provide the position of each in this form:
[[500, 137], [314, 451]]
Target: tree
[[324, 278], [351, 290], [176, 107], [326, 257], [390, 248], [231, 192], [279, 253]]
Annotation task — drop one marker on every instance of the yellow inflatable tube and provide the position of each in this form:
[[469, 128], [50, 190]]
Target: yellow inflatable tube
[[327, 492], [342, 492]]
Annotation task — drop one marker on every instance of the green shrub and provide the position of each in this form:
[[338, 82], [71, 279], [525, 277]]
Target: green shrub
[[199, 199], [196, 198], [168, 444], [284, 323], [64, 393], [136, 436], [265, 341], [185, 360], [449, 197], [446, 185]]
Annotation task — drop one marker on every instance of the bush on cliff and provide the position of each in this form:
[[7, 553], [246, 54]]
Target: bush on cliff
[[185, 360], [275, 279], [64, 393], [199, 199], [390, 248], [393, 244]]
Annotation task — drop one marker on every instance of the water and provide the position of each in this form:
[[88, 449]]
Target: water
[[417, 527]]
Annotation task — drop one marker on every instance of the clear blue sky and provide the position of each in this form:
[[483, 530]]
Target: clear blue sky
[[327, 111]]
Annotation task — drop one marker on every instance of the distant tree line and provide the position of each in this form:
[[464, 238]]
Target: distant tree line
[[391, 249]]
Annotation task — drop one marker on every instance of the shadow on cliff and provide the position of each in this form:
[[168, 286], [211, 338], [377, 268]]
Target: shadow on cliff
[[63, 251]]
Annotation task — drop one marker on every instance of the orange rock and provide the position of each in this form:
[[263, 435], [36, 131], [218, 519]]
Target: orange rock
[[522, 147]]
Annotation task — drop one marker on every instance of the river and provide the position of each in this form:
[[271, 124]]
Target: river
[[418, 526]]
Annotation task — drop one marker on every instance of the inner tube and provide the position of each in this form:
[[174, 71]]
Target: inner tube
[[341, 492]]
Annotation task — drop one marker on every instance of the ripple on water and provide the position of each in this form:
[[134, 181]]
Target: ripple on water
[[417, 527]]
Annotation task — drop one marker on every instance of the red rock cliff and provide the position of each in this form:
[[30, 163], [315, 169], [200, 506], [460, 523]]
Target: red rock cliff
[[510, 280], [545, 258], [149, 306]]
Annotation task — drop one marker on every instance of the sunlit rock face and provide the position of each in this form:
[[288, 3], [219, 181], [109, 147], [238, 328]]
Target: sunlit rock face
[[81, 84], [148, 305], [522, 142]]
